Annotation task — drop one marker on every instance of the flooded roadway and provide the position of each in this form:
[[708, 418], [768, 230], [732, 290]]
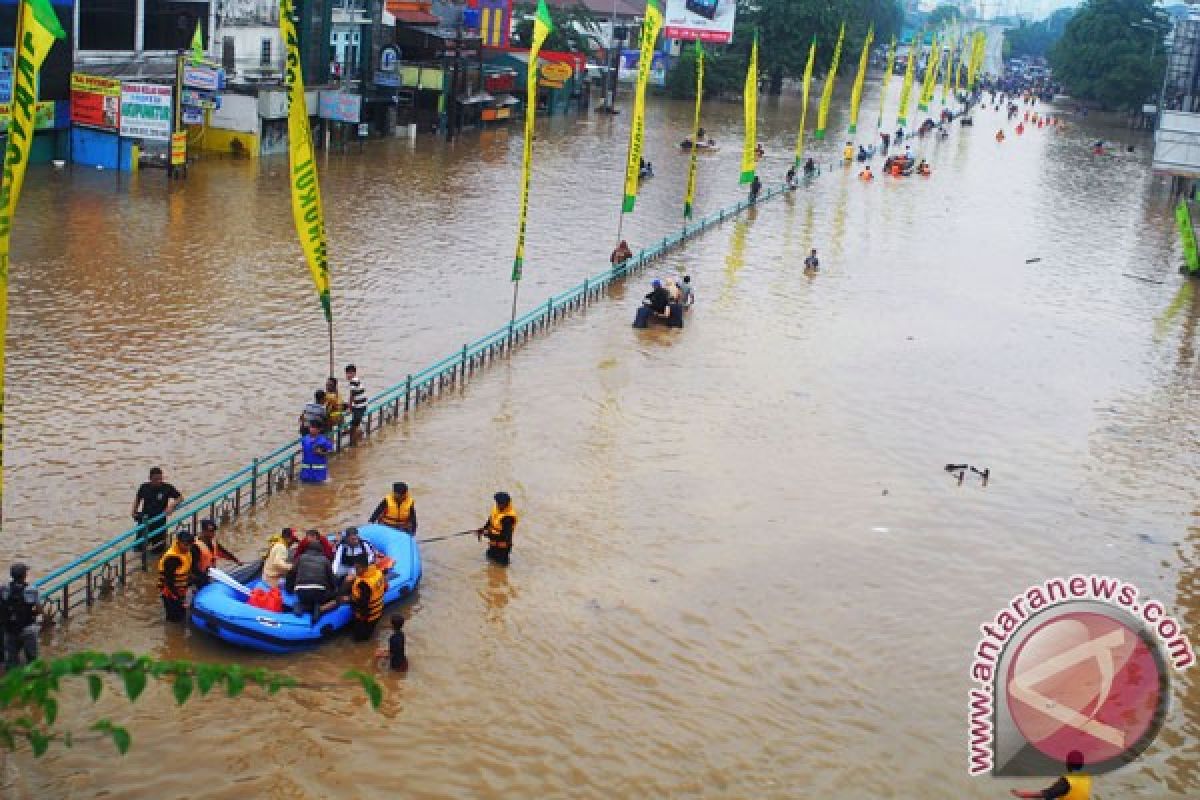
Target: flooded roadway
[[741, 570]]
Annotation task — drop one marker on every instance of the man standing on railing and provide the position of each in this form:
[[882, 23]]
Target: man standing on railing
[[358, 402], [155, 500]]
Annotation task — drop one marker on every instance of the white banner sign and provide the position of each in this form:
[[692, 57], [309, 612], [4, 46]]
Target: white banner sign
[[706, 20], [146, 111]]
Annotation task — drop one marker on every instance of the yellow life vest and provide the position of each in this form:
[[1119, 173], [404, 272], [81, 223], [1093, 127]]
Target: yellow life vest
[[376, 585], [1081, 786], [183, 573], [496, 525], [397, 513]]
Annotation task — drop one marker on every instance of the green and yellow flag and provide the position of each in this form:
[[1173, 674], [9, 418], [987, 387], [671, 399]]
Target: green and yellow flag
[[197, 46], [887, 78], [808, 71], [750, 107], [1183, 217], [37, 28], [690, 197], [542, 25], [637, 130], [307, 211], [860, 79], [910, 70], [827, 90], [931, 71]]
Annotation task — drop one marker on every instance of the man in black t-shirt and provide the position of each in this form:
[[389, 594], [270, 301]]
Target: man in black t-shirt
[[155, 499]]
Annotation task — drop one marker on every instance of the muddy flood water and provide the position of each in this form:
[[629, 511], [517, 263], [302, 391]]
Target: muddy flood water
[[741, 570]]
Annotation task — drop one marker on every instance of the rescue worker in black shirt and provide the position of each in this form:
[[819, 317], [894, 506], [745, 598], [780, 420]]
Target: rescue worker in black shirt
[[366, 596], [499, 529], [154, 501], [175, 575], [19, 609]]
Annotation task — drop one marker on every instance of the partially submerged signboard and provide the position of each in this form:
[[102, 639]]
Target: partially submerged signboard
[[95, 101], [146, 111]]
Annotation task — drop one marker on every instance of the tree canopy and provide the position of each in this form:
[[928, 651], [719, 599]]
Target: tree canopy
[[942, 15], [1034, 40], [785, 28], [1111, 52]]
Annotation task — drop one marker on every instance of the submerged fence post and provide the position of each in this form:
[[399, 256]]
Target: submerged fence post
[[408, 392], [463, 364], [254, 483]]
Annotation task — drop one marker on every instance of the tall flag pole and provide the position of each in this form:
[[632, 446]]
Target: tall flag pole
[[910, 70], [887, 77], [931, 71], [689, 199], [808, 72], [307, 212], [859, 79], [827, 90], [637, 130], [36, 31], [542, 25]]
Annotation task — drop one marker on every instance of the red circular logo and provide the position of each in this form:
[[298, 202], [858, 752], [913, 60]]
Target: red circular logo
[[1086, 682]]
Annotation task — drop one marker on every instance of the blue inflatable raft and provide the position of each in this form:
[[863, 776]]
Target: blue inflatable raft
[[223, 611]]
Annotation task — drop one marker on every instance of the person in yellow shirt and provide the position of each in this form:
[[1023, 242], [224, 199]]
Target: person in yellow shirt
[[278, 563], [499, 528], [396, 510], [848, 153], [1075, 785]]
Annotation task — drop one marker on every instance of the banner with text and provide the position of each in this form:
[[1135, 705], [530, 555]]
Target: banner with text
[[146, 111], [705, 20], [95, 101]]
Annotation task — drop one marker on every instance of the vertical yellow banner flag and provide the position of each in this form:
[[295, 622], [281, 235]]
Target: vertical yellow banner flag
[[958, 65], [981, 47], [827, 90], [860, 79], [37, 28], [949, 63], [542, 25], [307, 211], [750, 108], [651, 25], [1183, 218], [808, 71], [910, 70], [689, 198], [887, 78], [931, 70]]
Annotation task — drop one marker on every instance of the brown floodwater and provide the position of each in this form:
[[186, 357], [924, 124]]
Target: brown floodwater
[[741, 570]]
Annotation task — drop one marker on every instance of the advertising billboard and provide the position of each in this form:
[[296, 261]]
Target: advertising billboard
[[706, 20], [146, 111], [95, 101]]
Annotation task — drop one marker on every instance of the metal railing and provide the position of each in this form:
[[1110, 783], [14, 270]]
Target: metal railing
[[88, 577]]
